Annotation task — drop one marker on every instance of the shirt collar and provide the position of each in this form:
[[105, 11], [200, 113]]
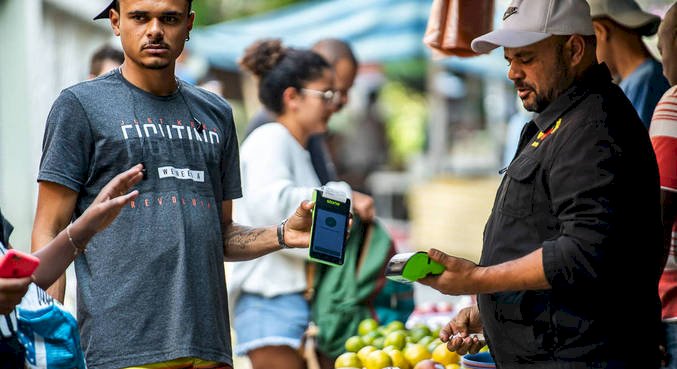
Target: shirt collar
[[596, 75]]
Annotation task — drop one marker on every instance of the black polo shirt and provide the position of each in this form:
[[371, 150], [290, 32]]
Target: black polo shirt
[[584, 186]]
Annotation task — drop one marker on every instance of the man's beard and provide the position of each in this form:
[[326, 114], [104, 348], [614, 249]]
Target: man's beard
[[156, 65], [543, 100]]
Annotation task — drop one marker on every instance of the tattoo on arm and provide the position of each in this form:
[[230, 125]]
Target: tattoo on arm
[[240, 236]]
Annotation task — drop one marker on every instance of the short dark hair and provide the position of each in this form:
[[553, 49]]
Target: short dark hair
[[105, 52], [116, 5], [333, 50]]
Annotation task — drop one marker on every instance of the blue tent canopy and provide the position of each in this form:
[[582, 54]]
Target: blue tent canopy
[[377, 30]]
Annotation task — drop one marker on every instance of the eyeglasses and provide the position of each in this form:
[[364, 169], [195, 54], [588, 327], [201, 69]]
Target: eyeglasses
[[327, 97]]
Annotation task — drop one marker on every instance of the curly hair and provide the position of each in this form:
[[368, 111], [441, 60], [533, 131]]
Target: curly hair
[[278, 67]]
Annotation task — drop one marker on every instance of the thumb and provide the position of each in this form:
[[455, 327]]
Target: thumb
[[440, 257], [307, 205]]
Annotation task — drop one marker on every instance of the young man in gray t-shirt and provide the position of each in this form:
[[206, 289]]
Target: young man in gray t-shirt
[[151, 287]]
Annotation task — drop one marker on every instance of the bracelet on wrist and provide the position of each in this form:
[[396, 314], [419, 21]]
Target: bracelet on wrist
[[280, 235], [76, 250]]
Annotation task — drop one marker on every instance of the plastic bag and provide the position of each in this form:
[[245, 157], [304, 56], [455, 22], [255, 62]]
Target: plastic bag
[[48, 332]]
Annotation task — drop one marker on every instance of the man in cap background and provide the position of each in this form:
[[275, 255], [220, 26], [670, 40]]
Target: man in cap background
[[576, 218], [619, 27]]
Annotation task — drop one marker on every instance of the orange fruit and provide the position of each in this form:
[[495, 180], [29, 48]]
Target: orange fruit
[[425, 341], [415, 353], [419, 332], [370, 337], [377, 360], [389, 348], [397, 357], [366, 326], [396, 325], [364, 352], [348, 360], [354, 344], [397, 339], [442, 355]]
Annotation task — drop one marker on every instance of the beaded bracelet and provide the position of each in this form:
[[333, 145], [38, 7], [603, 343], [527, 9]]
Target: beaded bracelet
[[70, 239]]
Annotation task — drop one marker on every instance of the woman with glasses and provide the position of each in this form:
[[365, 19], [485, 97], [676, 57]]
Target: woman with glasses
[[270, 311]]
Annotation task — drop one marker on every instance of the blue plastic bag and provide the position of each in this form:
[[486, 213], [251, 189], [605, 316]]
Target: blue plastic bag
[[48, 332]]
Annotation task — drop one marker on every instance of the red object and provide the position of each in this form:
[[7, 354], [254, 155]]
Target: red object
[[16, 264]]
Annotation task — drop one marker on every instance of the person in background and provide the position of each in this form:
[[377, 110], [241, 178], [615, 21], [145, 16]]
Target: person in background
[[344, 64], [56, 256], [564, 241], [105, 59], [213, 85], [619, 28], [663, 134], [139, 304], [270, 311], [6, 229]]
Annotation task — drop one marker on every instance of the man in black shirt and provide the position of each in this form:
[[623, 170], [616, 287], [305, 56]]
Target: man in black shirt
[[572, 250]]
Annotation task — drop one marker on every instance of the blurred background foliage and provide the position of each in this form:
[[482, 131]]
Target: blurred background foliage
[[405, 116]]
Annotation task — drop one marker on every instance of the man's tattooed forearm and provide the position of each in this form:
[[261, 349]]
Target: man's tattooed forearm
[[241, 237]]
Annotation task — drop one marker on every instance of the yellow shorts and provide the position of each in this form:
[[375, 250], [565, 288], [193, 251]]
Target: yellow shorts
[[183, 363]]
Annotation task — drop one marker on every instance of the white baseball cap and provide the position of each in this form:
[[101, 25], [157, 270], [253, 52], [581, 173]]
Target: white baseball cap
[[627, 13], [526, 22]]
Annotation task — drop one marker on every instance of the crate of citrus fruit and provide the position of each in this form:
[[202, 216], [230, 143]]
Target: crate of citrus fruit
[[394, 346]]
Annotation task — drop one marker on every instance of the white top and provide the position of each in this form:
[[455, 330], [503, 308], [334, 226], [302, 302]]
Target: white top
[[277, 175]]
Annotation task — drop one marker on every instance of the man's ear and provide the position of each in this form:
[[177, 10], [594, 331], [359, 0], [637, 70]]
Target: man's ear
[[191, 19], [575, 49], [114, 21], [602, 31]]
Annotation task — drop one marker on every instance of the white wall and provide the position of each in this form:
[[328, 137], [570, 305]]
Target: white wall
[[46, 47]]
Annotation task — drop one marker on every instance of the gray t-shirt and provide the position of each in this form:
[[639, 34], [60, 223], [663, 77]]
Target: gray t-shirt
[[151, 287]]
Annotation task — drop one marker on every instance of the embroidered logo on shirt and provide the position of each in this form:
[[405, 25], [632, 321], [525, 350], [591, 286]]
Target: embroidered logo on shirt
[[543, 135]]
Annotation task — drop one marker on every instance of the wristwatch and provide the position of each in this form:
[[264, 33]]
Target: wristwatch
[[280, 235]]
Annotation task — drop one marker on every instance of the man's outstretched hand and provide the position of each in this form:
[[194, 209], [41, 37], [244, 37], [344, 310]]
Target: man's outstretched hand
[[297, 227]]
